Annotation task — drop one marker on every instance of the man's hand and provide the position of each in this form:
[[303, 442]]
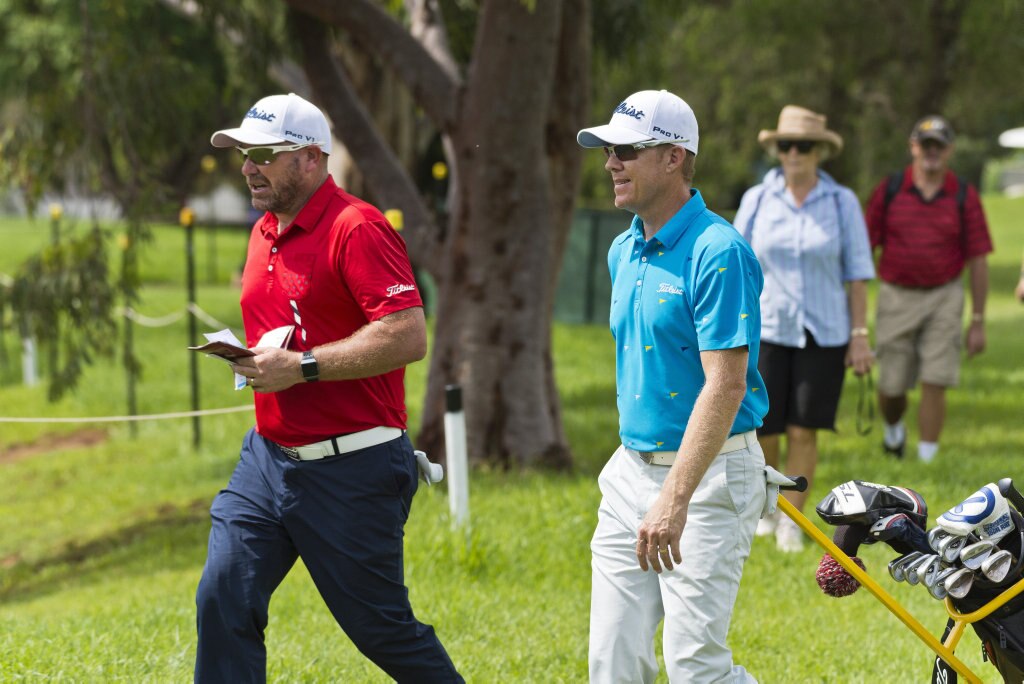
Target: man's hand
[[271, 369], [659, 534], [975, 338]]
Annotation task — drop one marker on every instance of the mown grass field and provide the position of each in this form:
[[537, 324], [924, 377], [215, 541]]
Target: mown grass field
[[102, 543]]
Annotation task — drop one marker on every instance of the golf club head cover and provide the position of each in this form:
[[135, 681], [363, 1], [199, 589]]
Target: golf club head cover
[[986, 513], [865, 503], [849, 538], [833, 578], [900, 533]]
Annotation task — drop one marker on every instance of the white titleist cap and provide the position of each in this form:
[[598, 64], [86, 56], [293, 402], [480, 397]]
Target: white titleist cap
[[647, 116], [278, 120]]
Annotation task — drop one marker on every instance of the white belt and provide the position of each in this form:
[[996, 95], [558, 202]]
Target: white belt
[[667, 458], [336, 446]]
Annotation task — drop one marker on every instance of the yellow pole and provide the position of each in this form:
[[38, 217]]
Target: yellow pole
[[881, 594]]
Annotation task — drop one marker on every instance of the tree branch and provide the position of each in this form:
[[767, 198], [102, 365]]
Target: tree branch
[[354, 127], [433, 84]]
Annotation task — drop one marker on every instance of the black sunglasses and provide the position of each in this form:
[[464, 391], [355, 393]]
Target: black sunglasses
[[630, 152], [802, 146]]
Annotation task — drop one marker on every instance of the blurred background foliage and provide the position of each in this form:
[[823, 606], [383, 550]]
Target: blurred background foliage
[[119, 96], [873, 67]]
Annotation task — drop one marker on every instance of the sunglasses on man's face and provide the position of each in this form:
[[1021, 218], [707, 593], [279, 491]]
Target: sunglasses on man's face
[[802, 146], [630, 152], [262, 156], [931, 144]]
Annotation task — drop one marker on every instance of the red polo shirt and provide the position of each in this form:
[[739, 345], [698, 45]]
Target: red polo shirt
[[337, 267], [925, 243]]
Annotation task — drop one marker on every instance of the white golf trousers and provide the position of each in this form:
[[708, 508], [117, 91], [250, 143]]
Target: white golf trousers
[[696, 598]]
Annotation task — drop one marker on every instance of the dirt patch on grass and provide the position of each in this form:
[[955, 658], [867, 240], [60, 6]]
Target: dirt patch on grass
[[54, 442]]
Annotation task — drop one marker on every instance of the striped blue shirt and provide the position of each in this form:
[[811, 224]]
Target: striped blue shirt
[[693, 287], [808, 254]]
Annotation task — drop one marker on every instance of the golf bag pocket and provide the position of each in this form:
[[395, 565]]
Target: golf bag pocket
[[1002, 632], [1003, 648]]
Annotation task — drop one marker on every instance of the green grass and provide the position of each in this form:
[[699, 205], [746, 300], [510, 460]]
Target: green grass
[[102, 545]]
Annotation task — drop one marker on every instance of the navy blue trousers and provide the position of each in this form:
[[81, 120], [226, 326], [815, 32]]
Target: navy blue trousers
[[345, 516]]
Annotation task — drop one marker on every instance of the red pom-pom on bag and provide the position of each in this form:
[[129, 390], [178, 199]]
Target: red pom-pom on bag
[[834, 580]]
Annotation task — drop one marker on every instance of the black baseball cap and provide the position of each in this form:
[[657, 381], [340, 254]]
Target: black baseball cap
[[933, 128]]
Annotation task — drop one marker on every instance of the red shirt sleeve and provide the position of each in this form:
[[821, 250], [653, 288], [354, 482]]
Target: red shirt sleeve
[[979, 241], [377, 270]]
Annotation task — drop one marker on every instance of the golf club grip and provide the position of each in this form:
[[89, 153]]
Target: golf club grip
[[800, 484], [1007, 489]]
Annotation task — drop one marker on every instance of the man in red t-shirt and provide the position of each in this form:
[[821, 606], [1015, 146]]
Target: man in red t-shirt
[[929, 225], [328, 474]]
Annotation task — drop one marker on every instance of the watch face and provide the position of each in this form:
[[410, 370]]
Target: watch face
[[310, 369]]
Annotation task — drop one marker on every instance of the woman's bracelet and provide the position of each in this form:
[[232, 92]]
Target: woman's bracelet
[[859, 332]]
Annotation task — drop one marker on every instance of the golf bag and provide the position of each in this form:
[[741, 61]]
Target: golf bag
[[867, 513], [1002, 632]]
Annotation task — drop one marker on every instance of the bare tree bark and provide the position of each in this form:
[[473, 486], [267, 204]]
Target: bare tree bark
[[509, 134], [354, 126], [945, 20]]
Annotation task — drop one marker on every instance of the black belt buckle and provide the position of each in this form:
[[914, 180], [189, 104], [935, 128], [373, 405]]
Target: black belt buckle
[[290, 452], [646, 456]]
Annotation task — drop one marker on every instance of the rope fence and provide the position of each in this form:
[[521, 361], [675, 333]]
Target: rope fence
[[148, 322], [127, 419], [172, 318]]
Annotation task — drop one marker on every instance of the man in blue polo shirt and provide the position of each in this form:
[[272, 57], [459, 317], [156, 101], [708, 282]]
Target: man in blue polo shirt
[[683, 493]]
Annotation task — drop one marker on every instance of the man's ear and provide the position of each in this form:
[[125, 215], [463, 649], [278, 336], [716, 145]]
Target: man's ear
[[676, 157], [312, 155]]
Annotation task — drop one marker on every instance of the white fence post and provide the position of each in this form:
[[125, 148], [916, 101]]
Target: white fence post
[[28, 362], [455, 453]]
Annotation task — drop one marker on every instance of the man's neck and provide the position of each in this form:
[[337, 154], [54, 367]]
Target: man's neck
[[928, 182], [285, 220], [656, 219]]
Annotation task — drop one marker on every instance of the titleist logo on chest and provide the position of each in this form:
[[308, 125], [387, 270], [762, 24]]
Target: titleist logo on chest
[[669, 289], [398, 289]]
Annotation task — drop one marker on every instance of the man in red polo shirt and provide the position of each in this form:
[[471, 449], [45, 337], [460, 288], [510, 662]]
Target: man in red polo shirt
[[929, 225], [328, 473]]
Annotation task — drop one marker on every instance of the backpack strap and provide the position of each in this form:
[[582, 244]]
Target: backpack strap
[[892, 185], [753, 215], [839, 212]]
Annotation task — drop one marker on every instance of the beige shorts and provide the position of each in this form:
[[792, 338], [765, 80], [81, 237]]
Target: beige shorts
[[918, 335]]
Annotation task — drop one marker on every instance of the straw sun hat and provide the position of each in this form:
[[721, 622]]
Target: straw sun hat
[[797, 123]]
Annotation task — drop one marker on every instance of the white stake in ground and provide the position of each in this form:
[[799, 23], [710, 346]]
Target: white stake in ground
[[455, 453]]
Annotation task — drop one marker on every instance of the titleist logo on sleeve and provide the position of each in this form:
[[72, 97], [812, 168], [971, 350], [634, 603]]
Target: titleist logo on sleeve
[[398, 289]]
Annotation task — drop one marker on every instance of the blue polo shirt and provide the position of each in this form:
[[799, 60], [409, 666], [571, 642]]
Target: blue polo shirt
[[695, 286]]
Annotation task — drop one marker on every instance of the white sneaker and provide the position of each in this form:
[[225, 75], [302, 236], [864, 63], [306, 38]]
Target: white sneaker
[[788, 537], [766, 526]]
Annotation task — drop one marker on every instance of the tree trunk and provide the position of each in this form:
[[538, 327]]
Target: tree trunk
[[945, 20], [506, 236], [509, 133]]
